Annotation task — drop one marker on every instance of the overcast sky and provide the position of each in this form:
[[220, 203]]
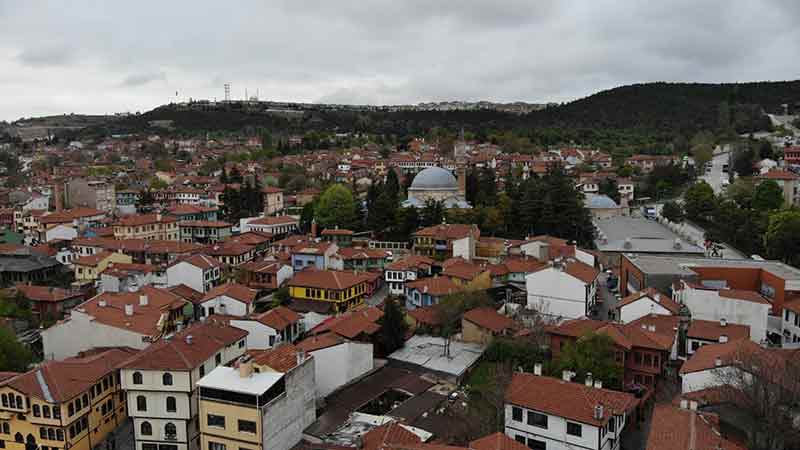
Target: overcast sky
[[110, 56]]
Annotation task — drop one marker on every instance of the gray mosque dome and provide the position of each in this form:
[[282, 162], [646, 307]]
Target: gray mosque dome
[[434, 178], [599, 201]]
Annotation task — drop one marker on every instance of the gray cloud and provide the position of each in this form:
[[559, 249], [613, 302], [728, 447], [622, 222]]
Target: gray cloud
[[141, 79], [114, 56]]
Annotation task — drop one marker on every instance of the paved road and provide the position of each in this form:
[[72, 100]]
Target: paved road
[[379, 296], [715, 176]]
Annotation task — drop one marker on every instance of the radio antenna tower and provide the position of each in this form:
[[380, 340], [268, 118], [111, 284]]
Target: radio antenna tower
[[227, 92]]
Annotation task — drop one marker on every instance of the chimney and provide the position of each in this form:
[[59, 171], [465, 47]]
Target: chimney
[[684, 404], [723, 338], [598, 384], [566, 375], [544, 252], [723, 322], [101, 303], [651, 328], [158, 217], [537, 369], [628, 244], [657, 297], [313, 228], [717, 361], [246, 368], [301, 356], [188, 339], [128, 310], [693, 405], [598, 412], [143, 300], [588, 380]]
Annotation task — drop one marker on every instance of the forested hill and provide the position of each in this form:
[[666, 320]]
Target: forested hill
[[644, 117]]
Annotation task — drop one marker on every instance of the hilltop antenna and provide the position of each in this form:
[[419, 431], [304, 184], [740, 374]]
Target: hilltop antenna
[[227, 92]]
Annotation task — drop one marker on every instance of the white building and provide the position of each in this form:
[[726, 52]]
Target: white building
[[231, 299], [644, 303], [733, 305], [129, 319], [199, 272], [407, 269], [338, 361], [556, 414], [160, 384], [711, 365], [705, 332], [565, 290], [276, 225], [791, 324], [270, 328], [61, 232]]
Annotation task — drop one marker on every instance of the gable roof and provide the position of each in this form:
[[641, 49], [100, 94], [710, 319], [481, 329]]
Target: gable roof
[[46, 293], [282, 358], [581, 271], [675, 428], [320, 341], [705, 357], [411, 261], [326, 279], [278, 318], [202, 261], [235, 291], [574, 401], [652, 295], [352, 323], [59, 381], [436, 286], [710, 330], [497, 441], [187, 349], [487, 317], [144, 319]]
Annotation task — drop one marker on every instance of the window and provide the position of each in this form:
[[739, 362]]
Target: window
[[202, 370], [574, 429], [6, 428], [215, 446], [145, 429], [611, 425], [166, 379], [167, 447], [516, 414], [537, 420], [46, 411], [4, 398], [695, 345], [56, 412], [171, 404], [148, 446], [519, 438], [216, 421], [241, 343], [141, 403], [36, 411], [218, 358], [247, 426], [536, 445], [137, 378], [170, 431]]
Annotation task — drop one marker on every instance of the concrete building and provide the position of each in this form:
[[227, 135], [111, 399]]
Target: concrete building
[[85, 193], [161, 383], [564, 290], [426, 355], [557, 414], [636, 235], [265, 403], [641, 304], [338, 361], [320, 256], [230, 299], [733, 306]]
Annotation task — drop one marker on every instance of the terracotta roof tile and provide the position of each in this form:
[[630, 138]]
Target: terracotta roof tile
[[326, 279], [574, 401], [235, 291], [674, 428], [654, 295], [144, 319], [581, 271], [278, 318], [411, 262], [709, 330], [47, 293], [436, 286], [497, 441], [490, 319], [320, 341], [282, 358]]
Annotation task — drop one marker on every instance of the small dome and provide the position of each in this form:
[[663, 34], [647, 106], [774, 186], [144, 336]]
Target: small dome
[[434, 178], [599, 201]]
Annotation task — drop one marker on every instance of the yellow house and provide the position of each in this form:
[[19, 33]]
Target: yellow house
[[74, 403], [467, 275], [148, 227], [264, 403], [89, 268], [329, 290]]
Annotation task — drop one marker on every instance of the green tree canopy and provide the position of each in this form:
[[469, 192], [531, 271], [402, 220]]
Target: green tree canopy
[[672, 211], [336, 208], [768, 196], [592, 353], [699, 201], [14, 356], [782, 239], [393, 327]]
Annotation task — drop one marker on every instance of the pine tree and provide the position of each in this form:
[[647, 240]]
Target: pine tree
[[393, 327]]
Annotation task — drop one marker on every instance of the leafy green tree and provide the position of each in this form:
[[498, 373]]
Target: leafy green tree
[[743, 162], [608, 186], [336, 207], [782, 239], [407, 222], [592, 353], [392, 186], [145, 199], [281, 297], [452, 307], [765, 150], [768, 196], [14, 357], [672, 211], [393, 327], [432, 213], [235, 176], [699, 201]]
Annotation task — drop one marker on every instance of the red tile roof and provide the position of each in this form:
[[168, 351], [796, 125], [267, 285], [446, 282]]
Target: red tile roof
[[652, 294], [46, 293], [779, 175], [573, 401], [326, 279], [463, 270], [92, 260], [70, 215], [581, 271], [411, 262], [497, 441], [449, 231], [235, 291], [741, 294], [273, 220], [351, 324], [282, 358], [705, 357], [388, 435], [189, 348], [202, 261], [428, 315], [204, 224], [436, 286], [674, 428], [60, 381], [145, 317], [136, 220], [709, 330], [278, 318], [489, 318], [320, 341]]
